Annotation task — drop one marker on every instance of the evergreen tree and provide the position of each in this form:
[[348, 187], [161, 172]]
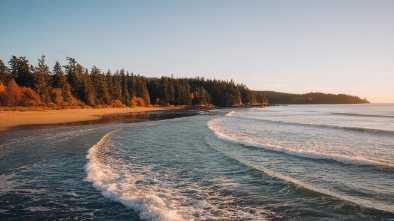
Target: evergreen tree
[[143, 90], [60, 81], [125, 91], [110, 84], [74, 73], [89, 93], [42, 76], [165, 94], [100, 84], [201, 96], [13, 67], [22, 72], [131, 85], [185, 97], [247, 96], [153, 86], [96, 88], [117, 87], [4, 74]]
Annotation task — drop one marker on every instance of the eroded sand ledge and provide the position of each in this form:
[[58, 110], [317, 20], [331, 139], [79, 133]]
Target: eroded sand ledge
[[17, 118]]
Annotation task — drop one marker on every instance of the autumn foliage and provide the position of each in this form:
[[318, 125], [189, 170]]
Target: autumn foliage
[[29, 98], [137, 102], [117, 104], [13, 95], [74, 86]]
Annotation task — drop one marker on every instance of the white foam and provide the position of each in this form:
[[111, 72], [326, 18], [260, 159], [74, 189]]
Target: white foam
[[353, 199], [231, 113], [214, 125], [157, 195], [119, 188]]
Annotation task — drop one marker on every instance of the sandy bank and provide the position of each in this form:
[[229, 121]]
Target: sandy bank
[[16, 118]]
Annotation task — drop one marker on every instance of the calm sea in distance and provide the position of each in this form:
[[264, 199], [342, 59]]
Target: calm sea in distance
[[297, 162]]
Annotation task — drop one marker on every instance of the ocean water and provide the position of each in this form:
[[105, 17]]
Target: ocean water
[[301, 162]]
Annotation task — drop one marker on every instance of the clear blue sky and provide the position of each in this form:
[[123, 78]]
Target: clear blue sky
[[333, 46]]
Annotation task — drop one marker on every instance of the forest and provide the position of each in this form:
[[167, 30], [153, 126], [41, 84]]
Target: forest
[[310, 98], [72, 85]]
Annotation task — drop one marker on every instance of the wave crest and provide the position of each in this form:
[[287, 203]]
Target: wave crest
[[336, 127], [364, 115], [119, 187], [213, 125]]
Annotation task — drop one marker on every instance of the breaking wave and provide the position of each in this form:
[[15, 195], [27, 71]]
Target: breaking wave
[[336, 127], [120, 187], [248, 141]]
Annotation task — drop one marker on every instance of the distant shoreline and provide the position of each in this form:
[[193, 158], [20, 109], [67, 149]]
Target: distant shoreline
[[12, 120]]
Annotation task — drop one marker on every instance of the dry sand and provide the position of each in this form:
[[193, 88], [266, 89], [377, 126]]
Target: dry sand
[[17, 118]]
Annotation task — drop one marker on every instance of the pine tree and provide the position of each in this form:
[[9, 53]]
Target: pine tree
[[131, 85], [125, 91], [4, 74], [74, 76], [153, 86], [100, 84], [22, 72], [110, 84], [143, 90], [117, 87], [89, 93], [60, 82], [13, 67], [42, 76]]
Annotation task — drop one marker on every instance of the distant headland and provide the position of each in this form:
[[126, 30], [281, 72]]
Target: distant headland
[[309, 98]]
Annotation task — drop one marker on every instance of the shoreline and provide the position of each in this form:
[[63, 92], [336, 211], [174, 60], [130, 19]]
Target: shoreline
[[17, 120]]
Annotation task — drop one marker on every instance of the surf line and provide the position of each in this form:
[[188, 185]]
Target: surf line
[[105, 179]]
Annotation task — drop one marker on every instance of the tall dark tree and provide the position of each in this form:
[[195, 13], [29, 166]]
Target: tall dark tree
[[247, 95], [100, 84], [13, 67], [125, 91], [43, 83], [131, 85], [153, 86], [5, 76], [117, 87], [142, 90], [88, 92], [21, 71], [60, 81], [201, 96], [110, 84], [74, 73]]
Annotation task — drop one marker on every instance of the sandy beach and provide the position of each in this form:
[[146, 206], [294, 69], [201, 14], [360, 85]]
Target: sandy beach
[[17, 118]]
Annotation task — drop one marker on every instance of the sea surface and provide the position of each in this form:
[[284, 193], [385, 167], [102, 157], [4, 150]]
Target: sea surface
[[298, 162]]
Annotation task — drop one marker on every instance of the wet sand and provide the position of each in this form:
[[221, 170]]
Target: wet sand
[[28, 119]]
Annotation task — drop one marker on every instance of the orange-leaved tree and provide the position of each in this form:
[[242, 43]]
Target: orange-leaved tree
[[137, 101], [29, 97], [12, 95], [117, 104]]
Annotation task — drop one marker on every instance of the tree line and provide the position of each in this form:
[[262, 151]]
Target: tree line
[[72, 85], [310, 98]]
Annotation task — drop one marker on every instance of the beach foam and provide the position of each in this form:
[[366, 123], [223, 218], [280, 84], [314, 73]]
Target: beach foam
[[157, 194], [294, 149], [119, 188]]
